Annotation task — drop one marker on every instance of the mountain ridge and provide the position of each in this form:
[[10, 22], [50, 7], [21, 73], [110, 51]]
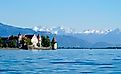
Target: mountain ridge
[[70, 38]]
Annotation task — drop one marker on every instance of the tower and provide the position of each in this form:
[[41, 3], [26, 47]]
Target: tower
[[54, 43], [19, 39], [39, 40]]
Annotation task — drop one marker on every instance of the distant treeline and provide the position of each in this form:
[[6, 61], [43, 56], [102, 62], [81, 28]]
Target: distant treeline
[[88, 48]]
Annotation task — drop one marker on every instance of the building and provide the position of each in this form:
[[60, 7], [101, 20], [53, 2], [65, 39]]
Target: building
[[39, 40], [54, 43], [35, 40]]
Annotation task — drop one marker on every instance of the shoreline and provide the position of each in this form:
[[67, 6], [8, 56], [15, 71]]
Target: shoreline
[[45, 48], [10, 48]]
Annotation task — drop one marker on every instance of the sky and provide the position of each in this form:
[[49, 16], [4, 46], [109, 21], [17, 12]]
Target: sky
[[77, 14]]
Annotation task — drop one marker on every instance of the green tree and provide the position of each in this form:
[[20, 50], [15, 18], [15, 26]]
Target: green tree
[[45, 41], [1, 42], [12, 43], [26, 41]]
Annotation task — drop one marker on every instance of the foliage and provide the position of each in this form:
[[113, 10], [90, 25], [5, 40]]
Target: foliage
[[12, 43], [45, 41], [26, 41], [1, 42], [8, 43]]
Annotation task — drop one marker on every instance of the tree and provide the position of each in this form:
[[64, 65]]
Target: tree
[[1, 42], [28, 41], [12, 43], [45, 41]]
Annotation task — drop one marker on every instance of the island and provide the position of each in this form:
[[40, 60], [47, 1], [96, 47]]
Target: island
[[29, 42]]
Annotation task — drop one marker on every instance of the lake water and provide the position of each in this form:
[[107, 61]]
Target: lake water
[[62, 61]]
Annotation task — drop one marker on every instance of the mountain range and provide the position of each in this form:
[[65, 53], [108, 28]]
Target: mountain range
[[68, 37]]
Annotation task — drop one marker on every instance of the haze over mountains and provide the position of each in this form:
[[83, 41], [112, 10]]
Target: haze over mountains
[[70, 38]]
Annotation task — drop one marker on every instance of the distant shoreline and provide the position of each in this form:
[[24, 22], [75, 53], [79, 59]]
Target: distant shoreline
[[88, 48], [44, 48], [61, 48]]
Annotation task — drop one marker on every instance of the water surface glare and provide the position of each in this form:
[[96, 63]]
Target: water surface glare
[[62, 61]]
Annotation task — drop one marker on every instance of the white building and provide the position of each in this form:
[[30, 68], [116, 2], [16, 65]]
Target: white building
[[35, 40]]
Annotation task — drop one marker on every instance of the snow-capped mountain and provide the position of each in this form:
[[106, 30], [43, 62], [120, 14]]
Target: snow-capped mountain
[[54, 30], [96, 31], [66, 31]]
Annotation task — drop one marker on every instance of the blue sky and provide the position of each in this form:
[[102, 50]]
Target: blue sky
[[77, 14]]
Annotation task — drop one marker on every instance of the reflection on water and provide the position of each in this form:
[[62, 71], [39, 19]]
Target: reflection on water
[[62, 61]]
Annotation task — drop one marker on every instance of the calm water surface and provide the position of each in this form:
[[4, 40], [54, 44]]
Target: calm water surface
[[62, 61]]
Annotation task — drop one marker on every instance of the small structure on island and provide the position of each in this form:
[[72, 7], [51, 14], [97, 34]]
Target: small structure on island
[[54, 44], [39, 40], [19, 40]]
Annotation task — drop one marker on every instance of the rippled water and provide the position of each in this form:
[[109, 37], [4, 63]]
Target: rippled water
[[63, 61]]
